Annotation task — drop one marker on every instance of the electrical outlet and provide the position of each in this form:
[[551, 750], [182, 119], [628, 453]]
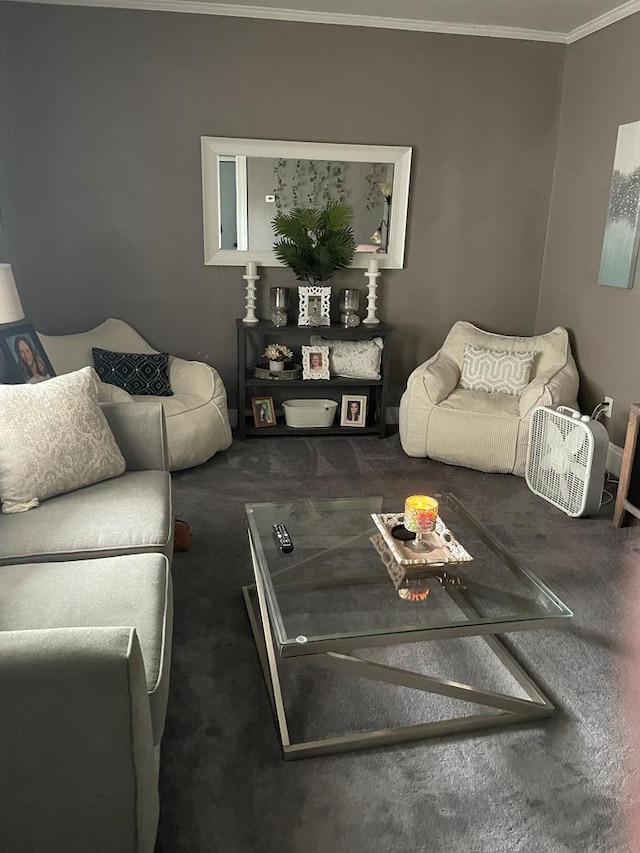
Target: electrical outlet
[[608, 411]]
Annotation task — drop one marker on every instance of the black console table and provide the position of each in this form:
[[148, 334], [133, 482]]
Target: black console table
[[252, 340]]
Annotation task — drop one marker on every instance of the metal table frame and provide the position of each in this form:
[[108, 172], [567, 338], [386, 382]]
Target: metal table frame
[[333, 653]]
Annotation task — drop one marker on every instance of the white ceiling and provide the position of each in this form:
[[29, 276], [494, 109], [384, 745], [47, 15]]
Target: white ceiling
[[541, 20]]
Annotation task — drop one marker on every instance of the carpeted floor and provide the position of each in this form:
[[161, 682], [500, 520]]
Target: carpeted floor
[[548, 787]]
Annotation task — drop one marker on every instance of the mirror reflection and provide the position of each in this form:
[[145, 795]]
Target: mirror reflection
[[253, 189]]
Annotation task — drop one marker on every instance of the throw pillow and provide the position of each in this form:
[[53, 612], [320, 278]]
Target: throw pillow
[[54, 438], [353, 359], [495, 371], [135, 372]]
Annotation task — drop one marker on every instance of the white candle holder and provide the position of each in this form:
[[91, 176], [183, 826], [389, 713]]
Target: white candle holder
[[251, 276], [373, 273]]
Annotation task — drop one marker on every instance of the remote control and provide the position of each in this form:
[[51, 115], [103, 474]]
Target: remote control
[[282, 538]]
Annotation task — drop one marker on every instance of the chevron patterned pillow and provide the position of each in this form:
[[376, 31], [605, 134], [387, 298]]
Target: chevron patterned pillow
[[494, 370], [136, 372]]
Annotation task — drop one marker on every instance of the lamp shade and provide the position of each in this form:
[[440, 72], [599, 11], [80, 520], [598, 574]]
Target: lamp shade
[[10, 305]]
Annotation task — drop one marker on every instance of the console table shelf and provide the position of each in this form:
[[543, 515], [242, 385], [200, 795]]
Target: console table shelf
[[283, 429], [317, 383], [252, 339]]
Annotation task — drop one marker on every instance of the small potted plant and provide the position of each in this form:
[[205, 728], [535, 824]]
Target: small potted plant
[[277, 354]]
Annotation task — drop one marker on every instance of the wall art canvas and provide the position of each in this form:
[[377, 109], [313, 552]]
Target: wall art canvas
[[622, 231]]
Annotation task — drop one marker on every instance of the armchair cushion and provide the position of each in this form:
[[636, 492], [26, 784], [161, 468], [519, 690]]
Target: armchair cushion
[[555, 387], [68, 443], [441, 376], [134, 372], [495, 370]]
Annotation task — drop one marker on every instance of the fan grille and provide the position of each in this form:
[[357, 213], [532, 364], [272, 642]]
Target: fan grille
[[559, 459]]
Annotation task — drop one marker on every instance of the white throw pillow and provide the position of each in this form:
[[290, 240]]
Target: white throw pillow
[[353, 359], [54, 438], [495, 370]]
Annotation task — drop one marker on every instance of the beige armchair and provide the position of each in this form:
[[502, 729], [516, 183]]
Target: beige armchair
[[196, 415], [478, 429]]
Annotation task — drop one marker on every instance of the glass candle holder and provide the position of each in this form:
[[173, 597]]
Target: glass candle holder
[[279, 302], [420, 515], [349, 304]]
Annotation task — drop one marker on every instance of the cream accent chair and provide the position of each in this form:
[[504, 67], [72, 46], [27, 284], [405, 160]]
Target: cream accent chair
[[196, 416], [477, 429]]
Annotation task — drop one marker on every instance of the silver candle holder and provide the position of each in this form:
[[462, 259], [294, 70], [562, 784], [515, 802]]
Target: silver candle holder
[[279, 302], [349, 304]]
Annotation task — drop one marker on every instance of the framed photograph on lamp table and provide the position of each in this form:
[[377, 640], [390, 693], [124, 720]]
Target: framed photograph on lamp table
[[25, 354]]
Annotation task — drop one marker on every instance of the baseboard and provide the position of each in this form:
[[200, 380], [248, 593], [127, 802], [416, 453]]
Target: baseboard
[[614, 459]]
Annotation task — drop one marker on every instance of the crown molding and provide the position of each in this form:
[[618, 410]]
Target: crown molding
[[203, 7], [603, 21]]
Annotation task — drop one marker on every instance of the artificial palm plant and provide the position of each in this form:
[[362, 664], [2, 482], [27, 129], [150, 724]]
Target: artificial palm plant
[[314, 243]]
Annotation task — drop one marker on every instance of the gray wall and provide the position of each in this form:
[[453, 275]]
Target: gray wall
[[600, 93], [10, 246], [108, 107]]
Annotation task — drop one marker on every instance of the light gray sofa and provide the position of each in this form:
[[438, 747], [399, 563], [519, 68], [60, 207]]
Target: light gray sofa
[[85, 648]]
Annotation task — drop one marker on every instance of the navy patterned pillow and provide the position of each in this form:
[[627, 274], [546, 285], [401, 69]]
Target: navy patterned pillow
[[135, 372]]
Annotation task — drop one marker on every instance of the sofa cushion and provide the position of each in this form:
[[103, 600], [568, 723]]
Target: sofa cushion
[[134, 372], [132, 591], [126, 515], [495, 370], [54, 438]]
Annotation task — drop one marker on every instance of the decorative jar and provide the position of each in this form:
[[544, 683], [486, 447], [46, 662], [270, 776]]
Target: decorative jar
[[349, 304], [279, 302]]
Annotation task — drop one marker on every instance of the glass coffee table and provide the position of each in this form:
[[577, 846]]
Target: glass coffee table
[[343, 587]]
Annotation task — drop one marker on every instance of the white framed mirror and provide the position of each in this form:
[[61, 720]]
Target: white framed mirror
[[245, 182]]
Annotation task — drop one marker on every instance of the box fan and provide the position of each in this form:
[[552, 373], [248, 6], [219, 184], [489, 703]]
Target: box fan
[[566, 459]]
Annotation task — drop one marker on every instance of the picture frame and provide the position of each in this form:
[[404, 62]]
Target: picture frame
[[314, 305], [315, 362], [353, 412], [264, 414], [25, 358]]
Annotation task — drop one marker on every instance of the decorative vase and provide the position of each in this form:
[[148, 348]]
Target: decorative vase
[[276, 366], [349, 304], [279, 299]]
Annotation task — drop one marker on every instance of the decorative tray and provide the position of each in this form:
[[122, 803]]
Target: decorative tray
[[264, 373], [402, 564], [446, 548]]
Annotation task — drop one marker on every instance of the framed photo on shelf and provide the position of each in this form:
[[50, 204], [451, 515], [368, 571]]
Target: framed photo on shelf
[[24, 354], [314, 305], [264, 414], [315, 363], [354, 411]]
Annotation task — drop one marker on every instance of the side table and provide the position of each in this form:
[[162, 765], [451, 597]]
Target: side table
[[628, 497]]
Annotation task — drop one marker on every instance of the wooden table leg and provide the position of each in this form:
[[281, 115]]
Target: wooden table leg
[[623, 506]]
